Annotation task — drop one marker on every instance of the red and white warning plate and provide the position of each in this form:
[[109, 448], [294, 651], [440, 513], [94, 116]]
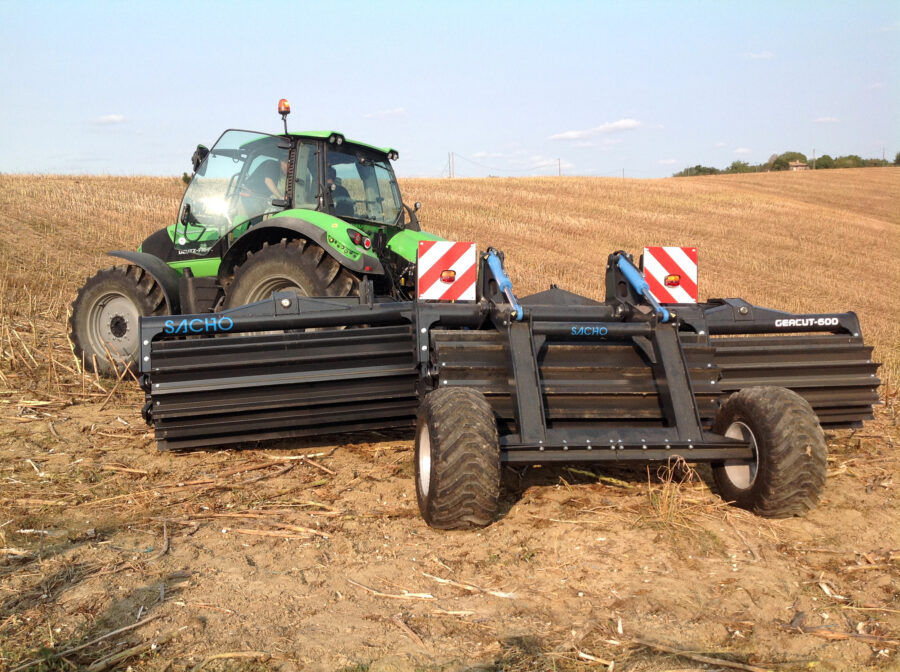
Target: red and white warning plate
[[671, 273], [446, 271]]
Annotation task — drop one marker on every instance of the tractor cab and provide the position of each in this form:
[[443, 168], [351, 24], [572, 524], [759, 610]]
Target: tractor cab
[[249, 176]]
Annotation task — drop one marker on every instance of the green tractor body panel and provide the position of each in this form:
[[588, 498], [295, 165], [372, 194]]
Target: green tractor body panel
[[200, 268], [337, 240], [405, 243]]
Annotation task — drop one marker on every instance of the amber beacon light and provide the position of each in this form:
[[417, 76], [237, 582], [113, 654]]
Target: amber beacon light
[[284, 109]]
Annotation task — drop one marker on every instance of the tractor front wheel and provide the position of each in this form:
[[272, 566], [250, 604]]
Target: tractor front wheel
[[457, 458], [104, 321], [288, 265], [787, 475]]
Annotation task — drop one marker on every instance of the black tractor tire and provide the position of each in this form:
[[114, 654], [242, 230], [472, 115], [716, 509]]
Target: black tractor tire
[[105, 317], [289, 265], [787, 476], [457, 458]]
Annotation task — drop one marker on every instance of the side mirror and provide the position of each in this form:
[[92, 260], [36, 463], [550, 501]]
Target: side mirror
[[199, 154], [186, 217], [416, 206]]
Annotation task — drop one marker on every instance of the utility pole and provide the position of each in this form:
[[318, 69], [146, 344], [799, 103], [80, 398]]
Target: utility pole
[[452, 168], [559, 166]]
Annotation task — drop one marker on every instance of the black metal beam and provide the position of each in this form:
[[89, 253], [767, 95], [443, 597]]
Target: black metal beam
[[710, 454], [526, 382], [673, 382]]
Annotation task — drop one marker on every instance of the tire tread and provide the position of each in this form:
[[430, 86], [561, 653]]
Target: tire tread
[[791, 474], [465, 454]]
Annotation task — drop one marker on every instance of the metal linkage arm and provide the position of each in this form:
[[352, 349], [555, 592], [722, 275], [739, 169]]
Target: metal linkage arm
[[640, 285]]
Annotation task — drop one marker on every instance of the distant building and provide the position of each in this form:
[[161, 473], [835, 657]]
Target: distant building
[[798, 165]]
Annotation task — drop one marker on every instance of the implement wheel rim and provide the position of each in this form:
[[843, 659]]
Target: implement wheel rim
[[424, 457], [113, 323], [742, 474]]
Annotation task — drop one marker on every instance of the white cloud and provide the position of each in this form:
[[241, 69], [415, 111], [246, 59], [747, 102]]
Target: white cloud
[[743, 150], [486, 155], [667, 162], [720, 144], [825, 120], [890, 28], [876, 85], [608, 127], [760, 55], [109, 119], [393, 113]]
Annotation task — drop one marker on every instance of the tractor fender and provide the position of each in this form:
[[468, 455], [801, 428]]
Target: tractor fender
[[327, 232], [165, 275]]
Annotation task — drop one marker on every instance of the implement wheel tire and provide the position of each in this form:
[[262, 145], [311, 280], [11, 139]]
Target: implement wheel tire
[[788, 475], [457, 459], [289, 265], [105, 313]]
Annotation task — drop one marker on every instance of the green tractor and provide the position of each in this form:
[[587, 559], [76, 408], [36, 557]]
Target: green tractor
[[311, 212]]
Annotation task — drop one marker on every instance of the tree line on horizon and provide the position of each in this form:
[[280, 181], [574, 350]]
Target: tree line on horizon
[[783, 161]]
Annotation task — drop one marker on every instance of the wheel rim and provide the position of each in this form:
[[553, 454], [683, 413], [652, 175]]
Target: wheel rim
[[423, 443], [741, 474], [113, 325], [275, 283]]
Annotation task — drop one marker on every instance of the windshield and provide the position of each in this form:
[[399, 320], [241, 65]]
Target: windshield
[[236, 183], [362, 185]]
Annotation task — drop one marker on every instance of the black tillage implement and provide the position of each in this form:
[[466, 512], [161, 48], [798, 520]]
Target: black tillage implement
[[552, 377]]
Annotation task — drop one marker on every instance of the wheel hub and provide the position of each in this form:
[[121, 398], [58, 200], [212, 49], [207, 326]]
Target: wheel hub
[[118, 326], [742, 474], [275, 284]]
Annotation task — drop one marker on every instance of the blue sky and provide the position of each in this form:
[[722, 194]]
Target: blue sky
[[510, 87]]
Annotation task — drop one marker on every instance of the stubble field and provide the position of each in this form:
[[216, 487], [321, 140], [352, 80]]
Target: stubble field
[[312, 556]]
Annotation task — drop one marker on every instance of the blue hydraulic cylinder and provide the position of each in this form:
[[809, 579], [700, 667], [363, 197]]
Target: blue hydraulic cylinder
[[503, 281]]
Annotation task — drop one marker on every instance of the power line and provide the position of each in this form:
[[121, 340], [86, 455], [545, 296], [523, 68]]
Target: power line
[[548, 166]]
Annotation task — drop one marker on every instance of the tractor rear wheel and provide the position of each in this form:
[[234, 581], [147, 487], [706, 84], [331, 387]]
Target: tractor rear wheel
[[104, 320], [457, 459], [288, 265], [787, 476]]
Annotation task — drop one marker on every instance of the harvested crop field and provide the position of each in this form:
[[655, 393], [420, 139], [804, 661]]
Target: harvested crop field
[[312, 556]]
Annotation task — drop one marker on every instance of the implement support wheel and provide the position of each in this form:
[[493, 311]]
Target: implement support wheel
[[787, 476], [457, 459]]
